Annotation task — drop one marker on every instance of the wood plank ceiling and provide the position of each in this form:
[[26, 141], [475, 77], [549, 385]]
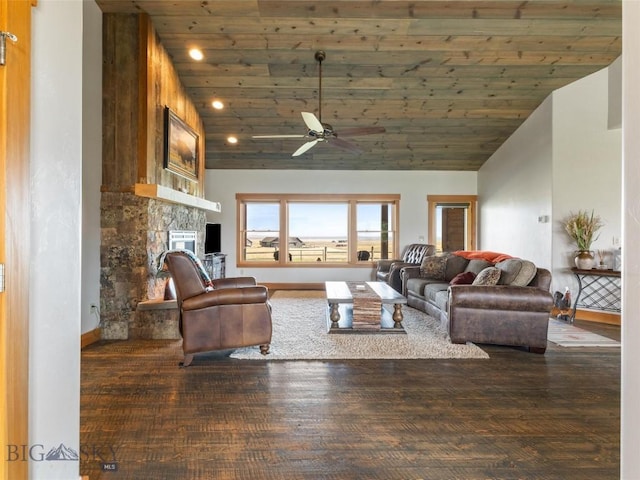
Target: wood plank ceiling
[[449, 81]]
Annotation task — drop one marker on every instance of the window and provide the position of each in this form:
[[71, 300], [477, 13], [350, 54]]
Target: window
[[374, 234], [261, 233], [320, 230]]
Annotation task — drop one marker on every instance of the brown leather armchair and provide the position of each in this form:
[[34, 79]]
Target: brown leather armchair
[[229, 313], [389, 270]]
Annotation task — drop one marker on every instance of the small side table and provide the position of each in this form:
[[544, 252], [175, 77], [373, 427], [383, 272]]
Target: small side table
[[215, 265], [597, 289]]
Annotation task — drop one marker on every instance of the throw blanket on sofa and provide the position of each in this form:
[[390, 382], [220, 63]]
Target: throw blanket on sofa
[[493, 257]]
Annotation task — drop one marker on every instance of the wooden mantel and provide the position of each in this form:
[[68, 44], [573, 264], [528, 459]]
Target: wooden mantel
[[167, 194]]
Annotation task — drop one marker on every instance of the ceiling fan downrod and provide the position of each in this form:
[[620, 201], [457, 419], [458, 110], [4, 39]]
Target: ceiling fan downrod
[[320, 56]]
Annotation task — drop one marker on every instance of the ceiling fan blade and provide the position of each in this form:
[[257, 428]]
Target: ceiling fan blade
[[278, 136], [304, 148], [312, 122], [338, 142], [353, 132]]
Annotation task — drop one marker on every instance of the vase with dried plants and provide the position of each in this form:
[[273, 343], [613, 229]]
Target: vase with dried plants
[[583, 228]]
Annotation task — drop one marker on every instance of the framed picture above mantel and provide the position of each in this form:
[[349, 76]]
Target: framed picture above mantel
[[181, 152]]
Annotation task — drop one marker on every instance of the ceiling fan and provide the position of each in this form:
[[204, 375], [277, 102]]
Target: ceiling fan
[[323, 132]]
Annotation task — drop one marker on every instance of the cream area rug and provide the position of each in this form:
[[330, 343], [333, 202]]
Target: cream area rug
[[300, 333], [567, 335]]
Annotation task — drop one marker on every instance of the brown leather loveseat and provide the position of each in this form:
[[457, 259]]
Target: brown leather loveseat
[[505, 301]]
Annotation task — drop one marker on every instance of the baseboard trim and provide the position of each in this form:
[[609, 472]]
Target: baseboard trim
[[90, 337], [294, 286], [600, 317]]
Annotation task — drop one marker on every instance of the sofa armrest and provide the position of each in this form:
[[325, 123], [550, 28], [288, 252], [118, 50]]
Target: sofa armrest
[[233, 282], [395, 274], [407, 272], [500, 297], [227, 296], [410, 271], [499, 315], [384, 265]]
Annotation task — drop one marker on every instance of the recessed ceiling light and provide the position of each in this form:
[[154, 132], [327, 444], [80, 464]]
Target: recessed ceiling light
[[217, 104], [196, 54], [232, 139]]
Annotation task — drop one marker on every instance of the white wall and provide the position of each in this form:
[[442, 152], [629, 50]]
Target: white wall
[[587, 168], [514, 190], [563, 158], [91, 162], [56, 182], [630, 413], [222, 186]]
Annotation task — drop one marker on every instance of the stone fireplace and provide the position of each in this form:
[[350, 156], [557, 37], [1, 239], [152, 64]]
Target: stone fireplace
[[142, 200], [134, 233]]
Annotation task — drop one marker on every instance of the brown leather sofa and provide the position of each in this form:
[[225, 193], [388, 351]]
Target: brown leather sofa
[[221, 314], [508, 313], [388, 270]]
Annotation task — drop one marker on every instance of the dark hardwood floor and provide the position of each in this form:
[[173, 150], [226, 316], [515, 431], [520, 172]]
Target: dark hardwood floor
[[517, 415]]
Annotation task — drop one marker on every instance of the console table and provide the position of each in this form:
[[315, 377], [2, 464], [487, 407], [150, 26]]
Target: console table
[[597, 289]]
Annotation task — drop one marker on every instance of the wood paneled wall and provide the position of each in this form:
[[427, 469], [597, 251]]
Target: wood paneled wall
[[120, 100], [139, 80]]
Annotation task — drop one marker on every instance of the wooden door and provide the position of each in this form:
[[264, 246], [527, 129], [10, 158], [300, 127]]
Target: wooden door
[[15, 17], [453, 229], [449, 234]]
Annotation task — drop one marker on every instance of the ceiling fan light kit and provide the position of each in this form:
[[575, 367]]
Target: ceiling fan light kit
[[323, 132]]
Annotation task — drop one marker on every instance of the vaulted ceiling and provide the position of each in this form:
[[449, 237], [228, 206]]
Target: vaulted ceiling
[[449, 81]]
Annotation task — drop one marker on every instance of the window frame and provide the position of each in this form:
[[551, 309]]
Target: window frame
[[285, 199]]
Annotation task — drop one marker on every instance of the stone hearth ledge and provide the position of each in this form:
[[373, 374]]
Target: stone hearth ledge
[[160, 192]]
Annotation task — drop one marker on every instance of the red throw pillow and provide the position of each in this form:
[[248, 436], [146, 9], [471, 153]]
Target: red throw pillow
[[464, 278]]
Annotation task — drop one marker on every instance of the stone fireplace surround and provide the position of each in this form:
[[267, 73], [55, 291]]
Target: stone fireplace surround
[[134, 233], [141, 199]]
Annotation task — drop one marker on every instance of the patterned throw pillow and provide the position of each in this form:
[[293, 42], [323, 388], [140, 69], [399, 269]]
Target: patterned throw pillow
[[434, 267], [488, 277]]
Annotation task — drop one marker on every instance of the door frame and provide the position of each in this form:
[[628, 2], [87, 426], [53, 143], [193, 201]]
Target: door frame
[[15, 94], [469, 201]]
